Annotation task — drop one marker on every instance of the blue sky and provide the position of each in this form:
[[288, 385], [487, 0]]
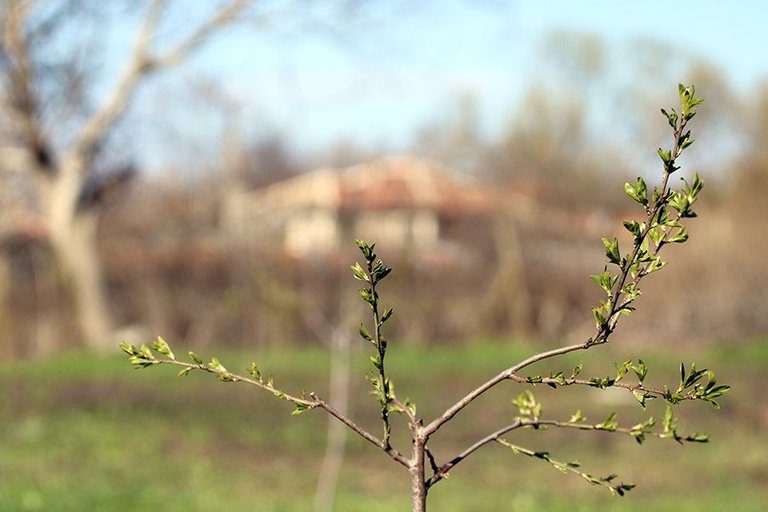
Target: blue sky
[[377, 78]]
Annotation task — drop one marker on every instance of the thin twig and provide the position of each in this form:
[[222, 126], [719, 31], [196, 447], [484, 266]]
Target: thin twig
[[234, 377], [315, 402], [388, 449], [506, 374], [407, 410], [569, 467], [432, 462], [583, 382], [442, 471]]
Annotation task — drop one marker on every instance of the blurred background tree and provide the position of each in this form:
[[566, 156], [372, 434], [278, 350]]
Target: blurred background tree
[[58, 128], [87, 259]]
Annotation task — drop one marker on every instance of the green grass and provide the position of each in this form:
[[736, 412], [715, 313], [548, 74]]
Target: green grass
[[80, 432]]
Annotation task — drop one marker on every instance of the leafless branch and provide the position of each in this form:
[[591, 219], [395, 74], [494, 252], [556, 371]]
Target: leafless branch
[[388, 449], [442, 471], [432, 461], [509, 373], [142, 62], [23, 100], [222, 17]]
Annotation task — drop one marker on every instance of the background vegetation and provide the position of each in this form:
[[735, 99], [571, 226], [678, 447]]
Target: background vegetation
[[80, 431], [84, 432]]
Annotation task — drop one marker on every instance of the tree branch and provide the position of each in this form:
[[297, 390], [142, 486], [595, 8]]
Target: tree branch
[[583, 382], [22, 95], [222, 17], [570, 467], [141, 63], [388, 449], [639, 432], [143, 357], [506, 374], [442, 471]]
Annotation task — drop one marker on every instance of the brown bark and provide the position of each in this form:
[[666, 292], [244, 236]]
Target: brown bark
[[416, 471]]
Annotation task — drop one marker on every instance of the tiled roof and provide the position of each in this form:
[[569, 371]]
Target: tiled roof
[[395, 182]]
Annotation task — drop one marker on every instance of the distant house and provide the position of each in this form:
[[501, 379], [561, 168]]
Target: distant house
[[401, 202]]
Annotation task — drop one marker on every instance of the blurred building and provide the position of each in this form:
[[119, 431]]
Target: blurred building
[[404, 203]]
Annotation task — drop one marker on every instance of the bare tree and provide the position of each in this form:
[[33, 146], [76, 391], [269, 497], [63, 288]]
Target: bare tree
[[41, 99]]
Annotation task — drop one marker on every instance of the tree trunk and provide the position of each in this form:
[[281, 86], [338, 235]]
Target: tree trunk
[[73, 240], [337, 431], [76, 253], [418, 484], [61, 175], [508, 299]]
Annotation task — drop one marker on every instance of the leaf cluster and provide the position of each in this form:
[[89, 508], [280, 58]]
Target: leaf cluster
[[663, 210], [692, 387], [160, 353], [372, 273]]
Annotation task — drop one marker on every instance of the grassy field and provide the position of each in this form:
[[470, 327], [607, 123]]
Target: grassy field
[[81, 433]]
